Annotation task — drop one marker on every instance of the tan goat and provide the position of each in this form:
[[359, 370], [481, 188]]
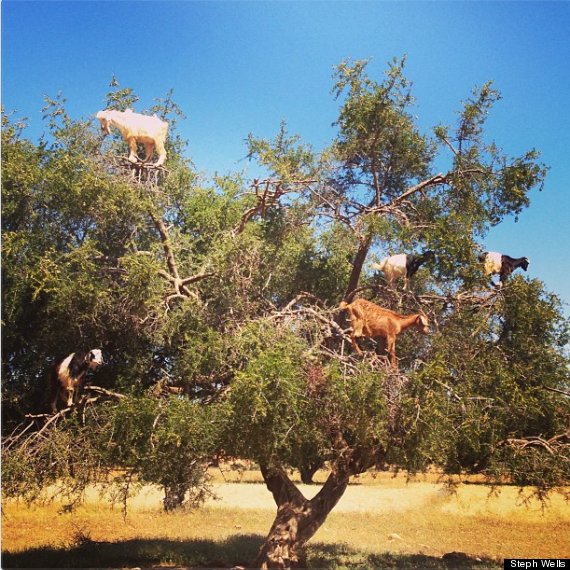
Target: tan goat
[[370, 320], [136, 128]]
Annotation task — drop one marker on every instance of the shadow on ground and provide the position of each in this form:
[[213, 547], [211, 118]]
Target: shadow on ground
[[236, 551]]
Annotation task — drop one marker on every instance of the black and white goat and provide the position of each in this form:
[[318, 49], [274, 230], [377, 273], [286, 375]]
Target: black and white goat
[[67, 376], [402, 265], [502, 265]]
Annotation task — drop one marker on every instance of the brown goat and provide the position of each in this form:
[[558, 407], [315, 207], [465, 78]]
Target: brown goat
[[370, 320]]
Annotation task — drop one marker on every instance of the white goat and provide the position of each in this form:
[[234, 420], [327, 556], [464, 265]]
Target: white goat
[[402, 265], [493, 262], [67, 376], [136, 128], [503, 265]]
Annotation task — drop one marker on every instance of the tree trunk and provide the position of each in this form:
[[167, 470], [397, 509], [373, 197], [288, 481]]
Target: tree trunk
[[297, 519], [357, 265], [174, 495], [308, 471]]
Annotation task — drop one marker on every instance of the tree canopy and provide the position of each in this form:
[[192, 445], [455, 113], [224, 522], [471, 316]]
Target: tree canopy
[[215, 302]]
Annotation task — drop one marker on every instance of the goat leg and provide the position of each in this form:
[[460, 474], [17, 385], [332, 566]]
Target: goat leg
[[355, 345], [133, 154]]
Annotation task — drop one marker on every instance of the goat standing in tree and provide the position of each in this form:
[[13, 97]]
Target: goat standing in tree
[[370, 320], [502, 265], [67, 376], [136, 128], [402, 265]]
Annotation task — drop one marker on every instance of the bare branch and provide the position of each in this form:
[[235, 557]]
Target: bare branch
[[268, 198], [198, 277], [432, 181], [104, 392], [567, 394], [554, 446]]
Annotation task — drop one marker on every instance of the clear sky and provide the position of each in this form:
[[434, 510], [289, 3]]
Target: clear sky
[[240, 67]]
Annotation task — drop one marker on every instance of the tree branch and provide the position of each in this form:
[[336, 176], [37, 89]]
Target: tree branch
[[433, 181], [280, 486], [179, 285], [267, 198], [197, 277], [553, 445], [567, 394]]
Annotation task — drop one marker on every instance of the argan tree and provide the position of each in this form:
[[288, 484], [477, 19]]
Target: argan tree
[[226, 294], [453, 404]]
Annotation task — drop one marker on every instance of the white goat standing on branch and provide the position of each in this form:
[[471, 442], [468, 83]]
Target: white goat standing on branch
[[136, 128]]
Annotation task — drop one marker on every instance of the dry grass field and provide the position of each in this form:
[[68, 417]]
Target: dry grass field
[[381, 522]]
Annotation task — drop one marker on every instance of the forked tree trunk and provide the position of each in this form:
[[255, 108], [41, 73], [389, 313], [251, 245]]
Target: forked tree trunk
[[298, 518]]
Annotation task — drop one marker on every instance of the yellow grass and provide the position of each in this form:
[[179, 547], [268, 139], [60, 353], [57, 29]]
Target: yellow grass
[[376, 516]]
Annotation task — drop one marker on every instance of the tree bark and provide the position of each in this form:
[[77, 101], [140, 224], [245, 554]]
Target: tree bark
[[308, 471], [298, 518], [357, 265], [174, 496]]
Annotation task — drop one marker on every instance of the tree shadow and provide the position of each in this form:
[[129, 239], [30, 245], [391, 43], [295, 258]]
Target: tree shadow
[[341, 556], [140, 553], [238, 550]]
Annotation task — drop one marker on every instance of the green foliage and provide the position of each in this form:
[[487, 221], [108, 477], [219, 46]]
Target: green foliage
[[146, 435], [376, 131], [313, 400], [285, 156], [120, 99], [136, 436], [486, 393]]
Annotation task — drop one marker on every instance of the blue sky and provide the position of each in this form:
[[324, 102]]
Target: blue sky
[[240, 67]]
